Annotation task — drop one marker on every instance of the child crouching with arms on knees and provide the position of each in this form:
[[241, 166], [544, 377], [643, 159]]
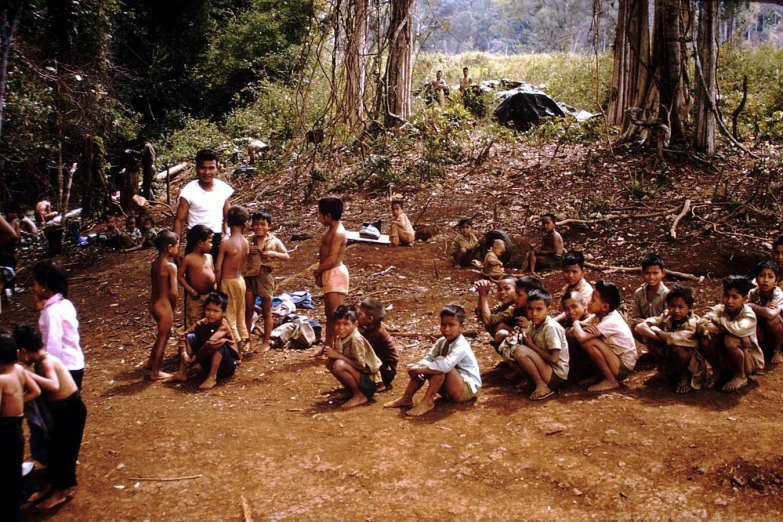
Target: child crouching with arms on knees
[[727, 336], [451, 368], [766, 301], [68, 412], [371, 314], [540, 351], [499, 319], [210, 343], [465, 246], [401, 232], [574, 276], [671, 339], [607, 339], [352, 361]]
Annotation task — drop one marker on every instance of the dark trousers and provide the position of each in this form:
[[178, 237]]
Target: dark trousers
[[11, 454], [68, 416]]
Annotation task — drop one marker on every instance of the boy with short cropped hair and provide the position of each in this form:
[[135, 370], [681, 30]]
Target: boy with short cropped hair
[[550, 254], [266, 253], [574, 275], [15, 390], [163, 298], [766, 301], [331, 274], [232, 256], [451, 368], [352, 360], [498, 320], [671, 339], [649, 300], [465, 246], [607, 339], [196, 273], [68, 412], [492, 266], [401, 232], [371, 314], [540, 351], [727, 336], [210, 343]]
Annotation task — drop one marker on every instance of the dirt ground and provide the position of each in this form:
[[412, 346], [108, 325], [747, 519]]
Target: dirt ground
[[271, 436]]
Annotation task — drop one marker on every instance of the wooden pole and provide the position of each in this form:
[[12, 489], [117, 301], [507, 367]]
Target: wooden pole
[[168, 185]]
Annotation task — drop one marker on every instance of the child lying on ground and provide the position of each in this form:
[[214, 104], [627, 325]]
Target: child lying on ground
[[209, 342], [371, 314], [550, 254], [727, 336], [540, 351], [606, 339], [465, 246], [401, 232], [766, 301], [352, 361], [671, 339], [451, 368]]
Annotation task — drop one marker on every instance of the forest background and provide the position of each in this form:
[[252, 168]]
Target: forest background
[[82, 80]]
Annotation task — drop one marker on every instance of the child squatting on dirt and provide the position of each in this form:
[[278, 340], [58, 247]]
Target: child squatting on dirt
[[649, 300], [540, 351], [766, 301], [15, 389], [451, 368], [671, 339], [331, 274], [498, 321], [465, 246], [492, 266], [401, 232], [727, 336], [69, 415], [352, 360], [196, 273], [210, 343], [550, 254], [232, 256], [371, 314], [163, 298], [574, 276]]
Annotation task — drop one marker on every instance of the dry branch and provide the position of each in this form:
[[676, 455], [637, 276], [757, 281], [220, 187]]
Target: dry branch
[[685, 208], [248, 514], [612, 217], [711, 225], [170, 479], [609, 268]]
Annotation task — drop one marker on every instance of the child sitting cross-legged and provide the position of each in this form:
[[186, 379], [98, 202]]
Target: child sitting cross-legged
[[540, 351], [492, 266], [451, 368], [671, 339], [727, 336], [352, 360], [210, 343], [766, 301], [606, 339]]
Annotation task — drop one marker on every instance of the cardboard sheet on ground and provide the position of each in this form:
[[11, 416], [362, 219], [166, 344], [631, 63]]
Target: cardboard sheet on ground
[[354, 237]]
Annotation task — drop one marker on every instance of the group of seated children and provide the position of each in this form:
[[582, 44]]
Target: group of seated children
[[218, 323], [130, 238]]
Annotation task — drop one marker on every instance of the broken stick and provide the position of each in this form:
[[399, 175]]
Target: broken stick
[[246, 510], [609, 268], [610, 217], [685, 208], [171, 479]]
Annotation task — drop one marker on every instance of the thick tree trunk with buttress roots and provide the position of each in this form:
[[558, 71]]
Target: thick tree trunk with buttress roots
[[631, 52], [352, 106], [707, 47], [399, 66]]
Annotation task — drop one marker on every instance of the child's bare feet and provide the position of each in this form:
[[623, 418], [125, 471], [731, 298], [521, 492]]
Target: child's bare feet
[[159, 376], [402, 402], [713, 381], [683, 387], [176, 377], [383, 388], [147, 365], [420, 409], [341, 395], [246, 347], [55, 499], [735, 384], [265, 347], [319, 352], [356, 400], [777, 358], [604, 385], [208, 383], [541, 392], [40, 495], [590, 380], [656, 377]]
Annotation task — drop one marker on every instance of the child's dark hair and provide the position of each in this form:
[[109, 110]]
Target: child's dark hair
[[129, 218], [574, 257], [218, 298], [539, 294], [777, 241], [52, 276], [683, 292], [331, 205], [346, 312], [262, 216], [529, 283], [7, 348], [399, 202], [373, 307], [652, 260], [109, 216], [739, 283], [166, 239], [550, 216], [146, 217], [453, 311], [769, 265], [28, 338], [237, 216], [609, 293], [465, 221], [196, 235], [573, 294], [206, 155]]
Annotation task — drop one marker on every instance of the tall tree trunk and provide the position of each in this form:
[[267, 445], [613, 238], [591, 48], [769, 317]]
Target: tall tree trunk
[[399, 66], [706, 90], [631, 52], [88, 188], [9, 21], [355, 61]]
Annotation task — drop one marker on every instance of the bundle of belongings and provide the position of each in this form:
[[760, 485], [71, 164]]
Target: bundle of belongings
[[371, 230]]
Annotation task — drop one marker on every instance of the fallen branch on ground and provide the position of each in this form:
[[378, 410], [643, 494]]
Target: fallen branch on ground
[[609, 268], [612, 217], [711, 225], [171, 479], [246, 510], [466, 333], [685, 208]]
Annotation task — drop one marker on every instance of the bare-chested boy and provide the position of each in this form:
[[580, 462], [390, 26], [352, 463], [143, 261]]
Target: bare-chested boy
[[331, 274], [197, 273], [550, 254], [64, 402], [232, 257], [15, 390], [163, 298]]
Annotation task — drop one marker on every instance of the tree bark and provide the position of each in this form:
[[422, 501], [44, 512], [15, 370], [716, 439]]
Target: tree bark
[[87, 187], [399, 66], [631, 52], [355, 61], [7, 33], [704, 118]]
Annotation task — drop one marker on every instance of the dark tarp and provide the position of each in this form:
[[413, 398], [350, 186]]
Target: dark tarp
[[524, 110]]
